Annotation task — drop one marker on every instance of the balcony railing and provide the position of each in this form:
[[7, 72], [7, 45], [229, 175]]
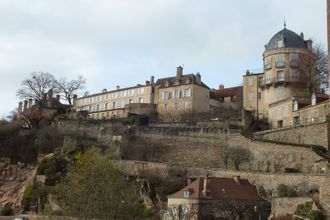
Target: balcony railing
[[277, 80], [280, 64]]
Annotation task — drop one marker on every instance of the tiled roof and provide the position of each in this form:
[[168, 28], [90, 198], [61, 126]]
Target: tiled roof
[[220, 188], [227, 92]]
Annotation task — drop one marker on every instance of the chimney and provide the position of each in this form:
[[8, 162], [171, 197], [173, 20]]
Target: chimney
[[179, 72], [302, 35], [247, 72], [25, 105], [206, 187], [198, 78], [147, 82], [104, 90], [50, 98], [58, 97], [221, 87], [237, 179], [30, 103], [118, 87], [20, 107], [74, 100], [152, 80]]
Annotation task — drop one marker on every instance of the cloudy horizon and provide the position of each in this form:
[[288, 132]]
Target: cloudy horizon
[[124, 42]]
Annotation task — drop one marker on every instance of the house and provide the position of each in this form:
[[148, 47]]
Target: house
[[181, 94], [215, 197], [228, 97]]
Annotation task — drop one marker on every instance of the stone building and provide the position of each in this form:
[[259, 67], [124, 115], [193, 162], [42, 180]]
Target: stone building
[[217, 198], [228, 97], [118, 103], [181, 94], [289, 74]]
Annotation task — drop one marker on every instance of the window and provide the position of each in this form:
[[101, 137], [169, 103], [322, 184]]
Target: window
[[251, 96], [295, 105], [113, 105], [106, 106], [268, 77], [97, 107], [141, 100], [259, 95], [176, 94], [296, 120], [97, 98], [130, 101], [166, 83], [90, 99], [166, 95], [165, 106], [122, 103], [280, 42], [294, 59], [280, 61], [294, 75], [280, 124], [83, 100], [107, 96], [186, 105], [140, 90], [90, 108], [114, 95], [187, 93], [186, 194], [280, 91], [177, 82], [280, 75], [187, 81], [123, 93]]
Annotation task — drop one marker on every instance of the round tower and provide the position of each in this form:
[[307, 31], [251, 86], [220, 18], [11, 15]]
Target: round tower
[[288, 62]]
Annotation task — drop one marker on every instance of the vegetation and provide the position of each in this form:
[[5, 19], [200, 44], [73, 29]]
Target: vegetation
[[286, 191], [47, 139], [306, 210], [236, 154], [7, 210], [94, 189]]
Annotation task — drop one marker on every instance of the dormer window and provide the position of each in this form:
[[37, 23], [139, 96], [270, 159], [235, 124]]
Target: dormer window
[[187, 81], [280, 42], [187, 193], [177, 82], [166, 84]]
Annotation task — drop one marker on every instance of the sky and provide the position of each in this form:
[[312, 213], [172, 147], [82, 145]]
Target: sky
[[124, 42]]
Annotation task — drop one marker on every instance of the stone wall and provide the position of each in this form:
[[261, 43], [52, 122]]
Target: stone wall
[[284, 205], [269, 182], [204, 150], [316, 134]]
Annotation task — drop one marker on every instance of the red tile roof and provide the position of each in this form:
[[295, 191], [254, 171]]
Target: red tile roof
[[220, 188]]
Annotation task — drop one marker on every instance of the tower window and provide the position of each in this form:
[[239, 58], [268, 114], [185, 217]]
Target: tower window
[[280, 43]]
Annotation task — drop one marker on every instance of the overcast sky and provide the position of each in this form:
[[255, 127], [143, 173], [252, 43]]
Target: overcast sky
[[124, 42]]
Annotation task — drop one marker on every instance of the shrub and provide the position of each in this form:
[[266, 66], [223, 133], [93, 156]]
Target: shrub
[[286, 191], [48, 139], [7, 210], [306, 210]]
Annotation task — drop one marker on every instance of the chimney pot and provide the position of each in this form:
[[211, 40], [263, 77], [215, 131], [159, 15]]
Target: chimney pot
[[118, 87], [221, 87], [179, 72]]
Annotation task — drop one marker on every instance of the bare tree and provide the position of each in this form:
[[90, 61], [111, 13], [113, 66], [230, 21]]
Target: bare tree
[[225, 155], [68, 88], [321, 66], [240, 155], [36, 87]]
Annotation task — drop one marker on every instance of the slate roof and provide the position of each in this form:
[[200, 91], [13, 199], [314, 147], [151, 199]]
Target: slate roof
[[172, 80], [220, 188], [291, 40]]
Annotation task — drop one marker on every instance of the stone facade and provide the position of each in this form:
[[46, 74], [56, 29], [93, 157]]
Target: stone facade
[[288, 71], [117, 103]]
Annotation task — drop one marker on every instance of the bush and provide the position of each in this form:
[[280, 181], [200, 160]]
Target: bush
[[7, 210], [48, 139], [286, 191], [306, 210]]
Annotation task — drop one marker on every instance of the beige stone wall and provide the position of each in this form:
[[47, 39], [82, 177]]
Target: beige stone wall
[[283, 206], [250, 94], [112, 103], [197, 101]]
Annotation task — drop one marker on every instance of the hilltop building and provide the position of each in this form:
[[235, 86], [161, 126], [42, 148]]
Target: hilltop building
[[181, 94], [288, 83], [118, 103], [228, 97]]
